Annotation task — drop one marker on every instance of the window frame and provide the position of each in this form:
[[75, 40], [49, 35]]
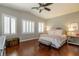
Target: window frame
[[42, 27], [71, 26], [3, 15], [29, 29]]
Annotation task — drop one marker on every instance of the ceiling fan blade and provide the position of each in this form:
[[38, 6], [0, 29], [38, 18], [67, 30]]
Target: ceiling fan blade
[[47, 9], [40, 3], [47, 4], [35, 8], [40, 11]]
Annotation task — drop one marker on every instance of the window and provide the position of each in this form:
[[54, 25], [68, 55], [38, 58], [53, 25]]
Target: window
[[9, 25], [72, 26], [32, 29], [24, 25], [28, 26], [13, 26], [40, 27]]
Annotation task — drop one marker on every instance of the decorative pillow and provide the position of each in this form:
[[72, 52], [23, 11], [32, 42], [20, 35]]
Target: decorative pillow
[[55, 32], [58, 32], [51, 32]]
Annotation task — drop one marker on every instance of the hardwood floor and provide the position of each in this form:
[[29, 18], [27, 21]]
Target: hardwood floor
[[31, 48]]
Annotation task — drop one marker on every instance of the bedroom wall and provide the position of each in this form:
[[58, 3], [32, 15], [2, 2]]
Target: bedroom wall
[[20, 15], [62, 21]]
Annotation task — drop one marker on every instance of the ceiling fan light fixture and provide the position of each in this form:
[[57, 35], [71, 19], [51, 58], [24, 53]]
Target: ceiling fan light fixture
[[43, 6]]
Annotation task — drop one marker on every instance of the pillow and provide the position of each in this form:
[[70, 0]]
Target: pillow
[[51, 32], [55, 32], [58, 32]]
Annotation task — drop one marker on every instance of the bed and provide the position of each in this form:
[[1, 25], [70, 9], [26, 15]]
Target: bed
[[55, 38]]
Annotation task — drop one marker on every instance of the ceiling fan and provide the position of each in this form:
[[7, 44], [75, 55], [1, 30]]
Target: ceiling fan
[[42, 6]]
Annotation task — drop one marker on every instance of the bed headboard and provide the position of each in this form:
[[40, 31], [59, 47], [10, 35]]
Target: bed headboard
[[58, 30]]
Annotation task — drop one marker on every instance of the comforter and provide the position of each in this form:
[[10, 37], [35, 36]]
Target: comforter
[[54, 40]]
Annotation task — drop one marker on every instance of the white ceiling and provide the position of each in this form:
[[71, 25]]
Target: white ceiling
[[57, 9]]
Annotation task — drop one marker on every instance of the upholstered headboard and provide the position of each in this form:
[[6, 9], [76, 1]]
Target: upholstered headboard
[[57, 31]]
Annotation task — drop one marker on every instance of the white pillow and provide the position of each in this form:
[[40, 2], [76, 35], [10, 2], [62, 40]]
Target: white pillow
[[58, 32], [51, 32], [55, 32]]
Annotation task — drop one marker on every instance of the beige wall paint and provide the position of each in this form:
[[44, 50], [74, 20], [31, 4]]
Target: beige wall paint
[[20, 15], [62, 21]]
